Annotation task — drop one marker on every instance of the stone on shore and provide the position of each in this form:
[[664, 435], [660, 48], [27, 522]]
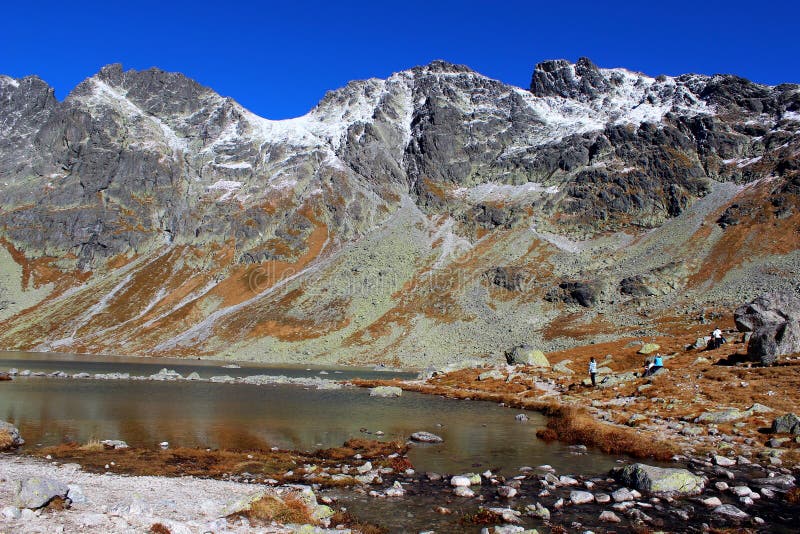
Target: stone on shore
[[114, 444], [385, 391], [494, 374], [426, 437], [36, 492], [527, 355], [13, 438], [660, 481], [460, 481], [727, 415]]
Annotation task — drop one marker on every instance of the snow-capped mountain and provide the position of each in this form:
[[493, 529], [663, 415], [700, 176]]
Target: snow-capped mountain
[[435, 212]]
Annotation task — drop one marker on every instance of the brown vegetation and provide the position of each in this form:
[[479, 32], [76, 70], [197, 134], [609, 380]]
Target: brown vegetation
[[6, 441], [348, 520], [207, 463], [159, 528], [289, 508], [482, 517]]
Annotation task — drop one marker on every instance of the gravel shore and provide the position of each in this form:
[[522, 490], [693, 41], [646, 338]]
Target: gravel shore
[[117, 503]]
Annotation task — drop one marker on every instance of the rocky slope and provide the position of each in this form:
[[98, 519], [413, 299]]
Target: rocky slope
[[428, 217]]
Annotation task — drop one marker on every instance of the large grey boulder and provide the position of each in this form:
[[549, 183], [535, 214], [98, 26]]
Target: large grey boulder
[[527, 355], [36, 492], [14, 438], [774, 321], [786, 424], [385, 391], [658, 480]]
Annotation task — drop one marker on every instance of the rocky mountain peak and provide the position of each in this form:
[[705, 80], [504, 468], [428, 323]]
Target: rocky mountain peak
[[559, 77]]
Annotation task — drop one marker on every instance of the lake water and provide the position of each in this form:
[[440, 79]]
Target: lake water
[[477, 435]]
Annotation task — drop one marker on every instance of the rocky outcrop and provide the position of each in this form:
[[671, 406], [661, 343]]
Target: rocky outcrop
[[572, 292], [774, 322], [788, 424]]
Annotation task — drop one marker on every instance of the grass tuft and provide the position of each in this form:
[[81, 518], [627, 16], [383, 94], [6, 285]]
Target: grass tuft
[[159, 528], [6, 441], [287, 509]]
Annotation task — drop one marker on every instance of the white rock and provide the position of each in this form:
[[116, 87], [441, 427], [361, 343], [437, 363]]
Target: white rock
[[712, 502], [460, 481], [11, 512], [463, 491], [622, 495], [506, 492], [724, 461], [580, 497], [609, 517], [75, 494], [364, 468]]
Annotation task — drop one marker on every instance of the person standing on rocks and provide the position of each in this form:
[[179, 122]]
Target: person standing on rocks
[[716, 338], [593, 371]]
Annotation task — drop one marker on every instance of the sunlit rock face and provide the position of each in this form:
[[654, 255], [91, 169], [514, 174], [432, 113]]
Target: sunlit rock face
[[434, 216]]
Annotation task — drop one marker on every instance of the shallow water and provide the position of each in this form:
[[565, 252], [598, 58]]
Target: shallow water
[[478, 435]]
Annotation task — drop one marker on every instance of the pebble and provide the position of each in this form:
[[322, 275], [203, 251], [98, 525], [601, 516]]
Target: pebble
[[602, 498], [721, 486], [730, 511], [622, 495], [712, 502], [724, 461], [460, 481]]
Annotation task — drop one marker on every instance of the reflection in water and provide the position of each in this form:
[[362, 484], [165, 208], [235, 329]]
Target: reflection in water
[[143, 413]]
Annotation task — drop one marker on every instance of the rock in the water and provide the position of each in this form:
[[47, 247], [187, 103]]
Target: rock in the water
[[36, 492], [463, 491], [649, 348], [9, 436], [527, 355], [659, 481], [521, 417], [193, 376], [506, 492], [426, 437], [774, 320], [786, 424], [712, 502], [460, 481], [580, 497], [538, 510], [385, 391], [729, 511], [114, 444], [609, 517]]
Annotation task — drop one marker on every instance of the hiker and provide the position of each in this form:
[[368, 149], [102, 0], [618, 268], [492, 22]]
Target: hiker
[[716, 340], [658, 363], [647, 365], [593, 371]]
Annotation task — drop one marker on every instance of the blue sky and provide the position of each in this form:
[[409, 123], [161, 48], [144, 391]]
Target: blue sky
[[279, 59]]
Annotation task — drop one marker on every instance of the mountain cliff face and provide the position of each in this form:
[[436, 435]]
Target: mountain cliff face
[[428, 217]]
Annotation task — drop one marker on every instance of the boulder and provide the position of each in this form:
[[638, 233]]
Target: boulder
[[426, 437], [460, 481], [563, 367], [659, 481], [385, 391], [774, 320], [9, 436], [649, 348], [527, 355], [786, 424], [722, 416], [36, 492], [609, 517]]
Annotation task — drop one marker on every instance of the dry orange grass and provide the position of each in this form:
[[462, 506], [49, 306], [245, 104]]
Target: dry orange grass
[[159, 528], [348, 520], [6, 441], [570, 424], [288, 508]]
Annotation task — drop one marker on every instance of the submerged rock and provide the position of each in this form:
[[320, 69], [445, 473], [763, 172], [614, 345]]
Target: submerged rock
[[659, 481], [385, 391]]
